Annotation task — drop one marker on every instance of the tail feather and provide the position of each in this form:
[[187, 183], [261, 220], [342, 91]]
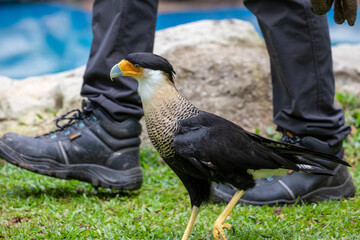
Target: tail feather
[[290, 149], [300, 164], [305, 152], [314, 169]]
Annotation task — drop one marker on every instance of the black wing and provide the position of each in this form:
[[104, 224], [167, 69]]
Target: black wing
[[218, 147]]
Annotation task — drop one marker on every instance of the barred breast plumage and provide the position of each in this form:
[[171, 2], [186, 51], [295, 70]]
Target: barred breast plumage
[[162, 121]]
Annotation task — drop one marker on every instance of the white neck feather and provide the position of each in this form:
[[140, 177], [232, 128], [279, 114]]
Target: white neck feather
[[154, 85]]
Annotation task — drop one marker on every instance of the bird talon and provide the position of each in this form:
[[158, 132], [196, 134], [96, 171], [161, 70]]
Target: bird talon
[[228, 226], [219, 230]]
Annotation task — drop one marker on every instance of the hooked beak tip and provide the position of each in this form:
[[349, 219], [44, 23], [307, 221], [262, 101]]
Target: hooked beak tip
[[115, 72]]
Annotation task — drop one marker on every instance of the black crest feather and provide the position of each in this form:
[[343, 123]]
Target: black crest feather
[[152, 61]]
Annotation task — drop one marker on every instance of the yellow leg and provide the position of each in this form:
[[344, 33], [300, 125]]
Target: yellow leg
[[195, 211], [219, 224]]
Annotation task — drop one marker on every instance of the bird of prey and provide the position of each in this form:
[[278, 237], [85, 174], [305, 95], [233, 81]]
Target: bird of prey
[[201, 147]]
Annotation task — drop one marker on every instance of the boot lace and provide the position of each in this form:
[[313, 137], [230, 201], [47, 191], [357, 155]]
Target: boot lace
[[70, 118]]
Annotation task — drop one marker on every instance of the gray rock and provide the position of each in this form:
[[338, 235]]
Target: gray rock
[[37, 94], [224, 32], [346, 59]]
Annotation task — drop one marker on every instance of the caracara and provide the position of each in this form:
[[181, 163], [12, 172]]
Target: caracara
[[201, 147]]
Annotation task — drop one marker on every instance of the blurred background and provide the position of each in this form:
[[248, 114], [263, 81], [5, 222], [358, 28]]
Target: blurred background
[[42, 37]]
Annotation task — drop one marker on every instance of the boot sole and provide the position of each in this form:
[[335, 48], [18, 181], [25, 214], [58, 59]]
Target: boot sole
[[96, 175], [345, 190]]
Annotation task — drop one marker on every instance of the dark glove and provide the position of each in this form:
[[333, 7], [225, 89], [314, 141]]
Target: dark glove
[[343, 9]]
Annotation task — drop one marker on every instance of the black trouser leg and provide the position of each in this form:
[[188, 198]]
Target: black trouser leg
[[299, 46], [119, 28]]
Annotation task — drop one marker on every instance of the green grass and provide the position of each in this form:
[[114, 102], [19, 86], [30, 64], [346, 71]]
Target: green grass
[[351, 106], [39, 207]]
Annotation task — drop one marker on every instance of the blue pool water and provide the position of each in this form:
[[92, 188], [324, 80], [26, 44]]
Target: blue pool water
[[37, 39]]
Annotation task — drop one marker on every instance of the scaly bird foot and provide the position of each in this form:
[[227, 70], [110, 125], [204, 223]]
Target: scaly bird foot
[[219, 230]]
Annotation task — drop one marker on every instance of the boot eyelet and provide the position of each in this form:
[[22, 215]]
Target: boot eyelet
[[93, 118], [269, 179], [81, 125]]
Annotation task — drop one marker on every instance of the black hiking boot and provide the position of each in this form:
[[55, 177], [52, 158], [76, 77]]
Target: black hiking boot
[[89, 147], [295, 186]]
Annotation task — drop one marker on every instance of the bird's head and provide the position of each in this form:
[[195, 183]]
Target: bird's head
[[143, 66], [154, 74]]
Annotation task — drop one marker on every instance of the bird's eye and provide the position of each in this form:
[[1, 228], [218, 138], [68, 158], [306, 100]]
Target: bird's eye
[[137, 66]]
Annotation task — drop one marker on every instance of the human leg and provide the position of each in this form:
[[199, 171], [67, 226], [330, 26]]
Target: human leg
[[99, 144], [119, 28], [303, 91]]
